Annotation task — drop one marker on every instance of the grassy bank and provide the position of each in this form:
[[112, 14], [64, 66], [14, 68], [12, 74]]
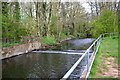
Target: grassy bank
[[106, 56], [50, 40], [45, 40]]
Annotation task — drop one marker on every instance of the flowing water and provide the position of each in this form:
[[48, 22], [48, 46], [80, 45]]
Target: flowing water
[[44, 65], [37, 65], [74, 44]]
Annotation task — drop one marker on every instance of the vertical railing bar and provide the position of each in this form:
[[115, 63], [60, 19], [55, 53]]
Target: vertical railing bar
[[74, 66], [88, 62], [98, 44], [79, 60], [110, 35]]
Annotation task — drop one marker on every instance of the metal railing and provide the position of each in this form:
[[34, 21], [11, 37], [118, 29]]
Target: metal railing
[[90, 59]]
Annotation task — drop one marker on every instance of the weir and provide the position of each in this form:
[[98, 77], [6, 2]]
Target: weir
[[62, 64], [90, 58], [61, 52]]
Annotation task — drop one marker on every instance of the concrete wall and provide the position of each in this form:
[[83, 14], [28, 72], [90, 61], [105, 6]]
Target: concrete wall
[[19, 49]]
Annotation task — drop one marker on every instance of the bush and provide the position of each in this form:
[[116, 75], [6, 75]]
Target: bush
[[49, 40], [105, 23]]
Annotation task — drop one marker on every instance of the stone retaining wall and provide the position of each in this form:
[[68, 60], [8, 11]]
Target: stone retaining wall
[[19, 49]]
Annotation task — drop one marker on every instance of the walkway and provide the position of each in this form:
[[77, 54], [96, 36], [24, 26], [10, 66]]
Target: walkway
[[107, 60]]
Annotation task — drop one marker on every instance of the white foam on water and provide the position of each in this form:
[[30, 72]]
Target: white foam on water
[[62, 52]]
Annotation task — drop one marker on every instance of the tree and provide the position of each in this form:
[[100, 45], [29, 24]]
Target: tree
[[104, 23]]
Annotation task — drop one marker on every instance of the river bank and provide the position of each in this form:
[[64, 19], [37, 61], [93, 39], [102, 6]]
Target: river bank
[[46, 65], [15, 50], [62, 45], [106, 61], [19, 49]]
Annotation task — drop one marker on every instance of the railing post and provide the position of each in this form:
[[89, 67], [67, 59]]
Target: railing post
[[88, 63], [103, 35], [94, 47], [110, 35]]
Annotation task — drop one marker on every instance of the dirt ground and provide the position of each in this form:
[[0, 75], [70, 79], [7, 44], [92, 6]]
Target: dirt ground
[[109, 68]]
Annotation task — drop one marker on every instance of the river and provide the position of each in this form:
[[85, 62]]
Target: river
[[44, 65]]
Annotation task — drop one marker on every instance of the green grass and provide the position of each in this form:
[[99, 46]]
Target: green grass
[[95, 63], [9, 44], [48, 40], [108, 48]]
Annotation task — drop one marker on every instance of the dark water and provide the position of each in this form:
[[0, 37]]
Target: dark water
[[75, 44], [44, 65], [80, 68], [37, 65]]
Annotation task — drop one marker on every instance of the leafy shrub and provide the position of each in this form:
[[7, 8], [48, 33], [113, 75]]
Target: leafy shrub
[[48, 40]]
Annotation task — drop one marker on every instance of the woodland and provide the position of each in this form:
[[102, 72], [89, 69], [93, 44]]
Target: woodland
[[54, 21]]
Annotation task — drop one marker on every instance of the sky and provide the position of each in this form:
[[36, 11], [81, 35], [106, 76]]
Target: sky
[[83, 2], [87, 7], [62, 0]]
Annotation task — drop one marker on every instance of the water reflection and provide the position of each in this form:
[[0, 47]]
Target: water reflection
[[75, 44], [37, 65]]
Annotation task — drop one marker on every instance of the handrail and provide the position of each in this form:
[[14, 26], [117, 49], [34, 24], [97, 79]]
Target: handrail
[[102, 35], [92, 60], [87, 51], [79, 60], [94, 42], [73, 67]]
